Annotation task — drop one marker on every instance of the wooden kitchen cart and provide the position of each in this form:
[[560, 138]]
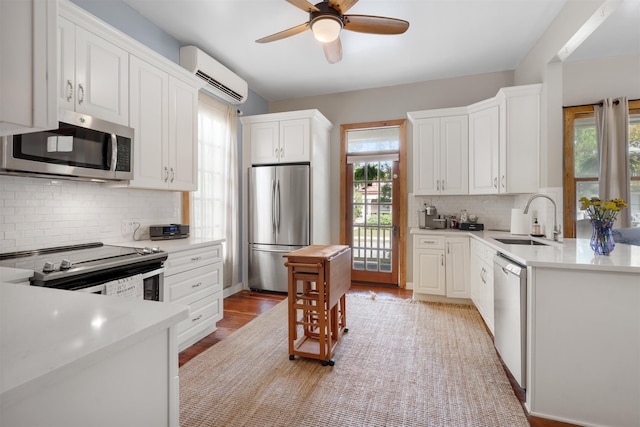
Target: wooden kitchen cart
[[319, 277]]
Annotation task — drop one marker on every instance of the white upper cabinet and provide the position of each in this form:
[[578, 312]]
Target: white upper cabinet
[[106, 74], [440, 152], [183, 136], [94, 74], [504, 142], [164, 116], [149, 114], [484, 149], [284, 141], [28, 99]]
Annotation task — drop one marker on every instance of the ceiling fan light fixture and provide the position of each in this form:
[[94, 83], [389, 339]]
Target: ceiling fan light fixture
[[326, 28]]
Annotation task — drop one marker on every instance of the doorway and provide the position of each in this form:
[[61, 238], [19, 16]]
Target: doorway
[[373, 200]]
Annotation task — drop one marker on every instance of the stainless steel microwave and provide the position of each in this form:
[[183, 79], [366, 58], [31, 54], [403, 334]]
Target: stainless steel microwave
[[82, 147]]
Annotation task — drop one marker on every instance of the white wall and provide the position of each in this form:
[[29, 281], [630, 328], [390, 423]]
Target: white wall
[[38, 212], [390, 103]]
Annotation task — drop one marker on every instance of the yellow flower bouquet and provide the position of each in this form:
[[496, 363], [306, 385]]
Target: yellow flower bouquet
[[602, 210], [602, 214]]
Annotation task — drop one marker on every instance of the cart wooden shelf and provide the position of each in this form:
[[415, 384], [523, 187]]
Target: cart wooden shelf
[[319, 277]]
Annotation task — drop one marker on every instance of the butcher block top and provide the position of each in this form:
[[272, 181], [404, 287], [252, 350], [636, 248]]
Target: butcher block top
[[317, 253]]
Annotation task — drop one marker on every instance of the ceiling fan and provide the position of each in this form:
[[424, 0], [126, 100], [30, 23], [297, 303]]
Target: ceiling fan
[[327, 19]]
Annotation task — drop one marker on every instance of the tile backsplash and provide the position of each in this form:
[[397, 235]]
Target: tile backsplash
[[494, 211], [39, 212]]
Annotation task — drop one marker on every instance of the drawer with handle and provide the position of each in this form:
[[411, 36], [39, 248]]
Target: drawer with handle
[[193, 281], [426, 241], [200, 311], [186, 260]]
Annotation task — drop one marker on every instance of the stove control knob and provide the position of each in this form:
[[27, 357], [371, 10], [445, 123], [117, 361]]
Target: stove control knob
[[65, 264], [48, 267], [147, 251], [155, 249]]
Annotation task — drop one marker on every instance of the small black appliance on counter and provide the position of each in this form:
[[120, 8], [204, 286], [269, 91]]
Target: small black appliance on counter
[[471, 226], [168, 231]]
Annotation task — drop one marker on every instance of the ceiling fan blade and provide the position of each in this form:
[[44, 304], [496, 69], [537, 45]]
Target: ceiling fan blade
[[342, 5], [284, 34], [333, 51], [375, 24], [304, 5]]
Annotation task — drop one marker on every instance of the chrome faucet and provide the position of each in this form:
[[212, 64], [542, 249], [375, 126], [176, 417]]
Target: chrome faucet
[[557, 236]]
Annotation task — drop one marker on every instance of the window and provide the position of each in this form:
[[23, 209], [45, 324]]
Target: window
[[581, 165], [213, 207]]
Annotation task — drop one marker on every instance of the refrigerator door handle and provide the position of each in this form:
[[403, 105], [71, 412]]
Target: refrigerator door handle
[[273, 206], [278, 206]]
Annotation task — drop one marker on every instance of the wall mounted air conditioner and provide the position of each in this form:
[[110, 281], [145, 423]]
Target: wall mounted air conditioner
[[220, 81]]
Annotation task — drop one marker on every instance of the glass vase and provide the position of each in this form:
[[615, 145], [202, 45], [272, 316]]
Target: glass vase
[[602, 241]]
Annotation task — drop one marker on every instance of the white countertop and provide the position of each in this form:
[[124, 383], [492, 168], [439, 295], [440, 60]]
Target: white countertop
[[571, 254], [47, 333], [15, 275], [172, 244]]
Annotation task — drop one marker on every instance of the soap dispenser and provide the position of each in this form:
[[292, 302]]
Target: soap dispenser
[[535, 228]]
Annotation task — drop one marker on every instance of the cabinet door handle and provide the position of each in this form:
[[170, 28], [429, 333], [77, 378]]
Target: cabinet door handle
[[173, 174], [166, 174], [196, 285], [495, 182], [438, 185], [448, 248], [80, 93], [443, 186], [281, 153], [441, 259], [194, 259], [275, 153], [69, 90], [502, 181], [198, 317]]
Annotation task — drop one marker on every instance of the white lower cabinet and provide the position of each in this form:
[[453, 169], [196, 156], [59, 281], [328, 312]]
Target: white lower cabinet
[[441, 265], [481, 280], [457, 267], [428, 265], [194, 277]]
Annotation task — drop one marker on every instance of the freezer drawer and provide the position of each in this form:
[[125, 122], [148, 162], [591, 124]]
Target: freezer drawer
[[266, 267]]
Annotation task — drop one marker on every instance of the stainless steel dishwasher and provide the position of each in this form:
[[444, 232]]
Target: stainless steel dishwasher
[[510, 310]]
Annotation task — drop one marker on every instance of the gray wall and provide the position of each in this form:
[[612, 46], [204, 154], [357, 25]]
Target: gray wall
[[126, 19], [588, 82]]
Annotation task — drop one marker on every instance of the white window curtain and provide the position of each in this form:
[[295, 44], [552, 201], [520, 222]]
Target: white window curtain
[[214, 207], [612, 130]]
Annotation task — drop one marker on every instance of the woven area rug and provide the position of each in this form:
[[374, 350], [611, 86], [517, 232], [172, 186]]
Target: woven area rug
[[402, 363]]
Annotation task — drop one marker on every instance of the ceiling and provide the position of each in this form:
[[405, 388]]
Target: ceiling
[[446, 38]]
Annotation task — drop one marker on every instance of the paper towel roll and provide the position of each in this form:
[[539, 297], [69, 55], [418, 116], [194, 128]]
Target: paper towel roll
[[520, 222]]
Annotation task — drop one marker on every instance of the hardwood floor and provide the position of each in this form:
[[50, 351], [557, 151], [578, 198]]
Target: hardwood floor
[[244, 306]]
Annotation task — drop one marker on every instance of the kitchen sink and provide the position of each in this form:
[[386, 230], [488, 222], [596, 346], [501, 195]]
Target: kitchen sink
[[521, 242]]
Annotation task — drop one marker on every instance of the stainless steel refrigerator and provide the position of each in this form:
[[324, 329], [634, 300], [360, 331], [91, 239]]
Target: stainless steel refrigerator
[[279, 212]]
